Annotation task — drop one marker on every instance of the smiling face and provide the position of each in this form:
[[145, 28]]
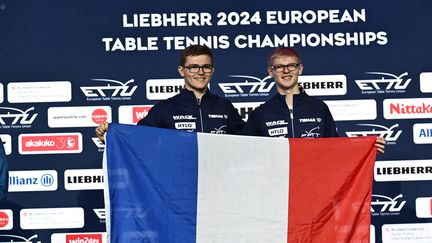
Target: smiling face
[[197, 82], [286, 78]]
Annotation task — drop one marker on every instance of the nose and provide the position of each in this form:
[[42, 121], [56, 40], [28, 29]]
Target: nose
[[201, 71], [286, 69]]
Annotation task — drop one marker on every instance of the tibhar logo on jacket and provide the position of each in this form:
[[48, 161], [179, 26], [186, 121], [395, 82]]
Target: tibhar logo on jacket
[[218, 116]]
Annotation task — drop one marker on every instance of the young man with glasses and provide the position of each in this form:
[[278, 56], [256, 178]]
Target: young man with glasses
[[291, 113], [195, 108]]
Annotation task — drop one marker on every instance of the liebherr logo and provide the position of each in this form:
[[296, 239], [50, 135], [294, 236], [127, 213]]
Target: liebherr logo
[[16, 118], [122, 91], [393, 84], [385, 206], [247, 88], [390, 134]]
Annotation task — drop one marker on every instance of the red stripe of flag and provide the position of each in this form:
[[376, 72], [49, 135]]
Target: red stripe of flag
[[329, 190]]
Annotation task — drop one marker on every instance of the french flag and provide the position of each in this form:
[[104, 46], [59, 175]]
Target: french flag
[[171, 186]]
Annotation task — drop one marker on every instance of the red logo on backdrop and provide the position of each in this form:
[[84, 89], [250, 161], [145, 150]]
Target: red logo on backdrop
[[139, 113], [88, 238], [50, 142], [4, 219], [99, 116]]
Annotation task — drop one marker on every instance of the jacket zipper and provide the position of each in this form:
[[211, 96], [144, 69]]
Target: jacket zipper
[[200, 113], [291, 111]]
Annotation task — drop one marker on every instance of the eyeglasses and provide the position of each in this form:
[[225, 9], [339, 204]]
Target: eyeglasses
[[291, 67], [195, 68]]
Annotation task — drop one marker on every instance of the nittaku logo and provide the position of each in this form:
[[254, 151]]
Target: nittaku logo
[[122, 91], [392, 84], [16, 118], [17, 238], [389, 134], [385, 206], [422, 108], [312, 133], [247, 88]]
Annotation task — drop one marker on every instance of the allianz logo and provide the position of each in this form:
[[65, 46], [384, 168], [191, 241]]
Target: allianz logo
[[45, 180]]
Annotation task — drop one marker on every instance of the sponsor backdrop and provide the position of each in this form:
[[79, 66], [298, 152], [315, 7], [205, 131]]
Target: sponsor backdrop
[[66, 67]]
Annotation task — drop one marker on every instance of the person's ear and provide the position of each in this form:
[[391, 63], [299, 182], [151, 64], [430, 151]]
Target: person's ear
[[181, 71], [270, 71]]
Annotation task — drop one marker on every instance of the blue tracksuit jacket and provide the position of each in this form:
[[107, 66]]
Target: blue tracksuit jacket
[[309, 118], [210, 114]]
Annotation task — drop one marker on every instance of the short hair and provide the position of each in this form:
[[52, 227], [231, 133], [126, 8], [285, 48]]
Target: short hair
[[195, 50], [282, 51]]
